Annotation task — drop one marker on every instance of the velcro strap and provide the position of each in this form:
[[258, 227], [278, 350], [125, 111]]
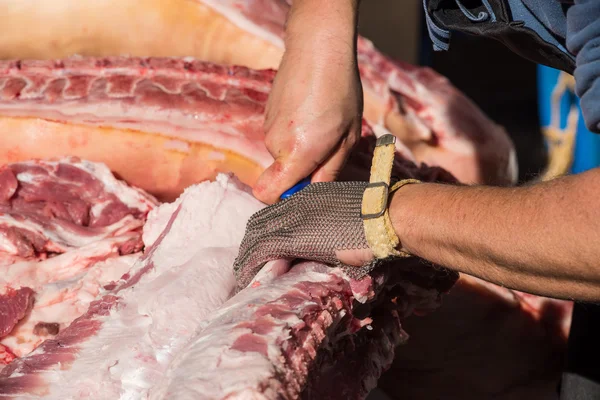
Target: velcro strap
[[379, 230]]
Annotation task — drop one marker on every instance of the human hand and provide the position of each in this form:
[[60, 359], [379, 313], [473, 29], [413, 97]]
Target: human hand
[[314, 113], [343, 224], [321, 223]]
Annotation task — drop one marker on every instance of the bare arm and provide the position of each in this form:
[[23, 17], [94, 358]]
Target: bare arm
[[313, 116], [335, 16], [543, 239]]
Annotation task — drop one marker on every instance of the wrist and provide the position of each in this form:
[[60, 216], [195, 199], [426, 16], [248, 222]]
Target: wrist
[[402, 218], [331, 25]]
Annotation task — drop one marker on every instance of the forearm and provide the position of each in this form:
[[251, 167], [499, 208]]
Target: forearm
[[328, 25], [542, 239]]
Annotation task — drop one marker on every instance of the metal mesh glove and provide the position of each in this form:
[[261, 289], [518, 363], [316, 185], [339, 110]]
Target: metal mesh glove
[[310, 225], [325, 218]]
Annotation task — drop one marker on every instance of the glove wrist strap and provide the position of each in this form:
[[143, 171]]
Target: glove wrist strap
[[377, 224]]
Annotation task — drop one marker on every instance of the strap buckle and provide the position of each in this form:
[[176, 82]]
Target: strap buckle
[[386, 193], [384, 140]]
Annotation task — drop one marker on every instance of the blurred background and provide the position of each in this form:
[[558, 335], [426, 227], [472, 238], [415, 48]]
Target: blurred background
[[503, 84], [548, 132]]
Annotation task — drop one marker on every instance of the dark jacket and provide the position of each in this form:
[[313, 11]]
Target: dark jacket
[[563, 34]]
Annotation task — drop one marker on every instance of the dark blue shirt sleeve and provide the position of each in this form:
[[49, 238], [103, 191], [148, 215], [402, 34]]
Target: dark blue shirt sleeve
[[583, 40]]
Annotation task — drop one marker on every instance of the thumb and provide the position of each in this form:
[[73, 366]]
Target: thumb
[[279, 177], [265, 187]]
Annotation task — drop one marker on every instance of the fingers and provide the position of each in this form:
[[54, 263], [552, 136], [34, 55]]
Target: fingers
[[355, 257], [284, 173], [324, 162], [330, 169]]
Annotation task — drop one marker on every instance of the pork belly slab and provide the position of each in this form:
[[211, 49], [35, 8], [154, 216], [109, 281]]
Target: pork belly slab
[[161, 124], [166, 123]]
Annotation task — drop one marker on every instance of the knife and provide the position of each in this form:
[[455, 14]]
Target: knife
[[296, 188]]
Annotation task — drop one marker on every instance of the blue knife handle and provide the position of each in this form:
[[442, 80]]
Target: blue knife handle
[[296, 188]]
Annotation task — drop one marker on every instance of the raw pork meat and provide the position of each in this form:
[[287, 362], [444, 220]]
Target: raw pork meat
[[183, 162], [434, 120], [187, 119], [161, 124], [14, 305], [68, 227], [167, 330]]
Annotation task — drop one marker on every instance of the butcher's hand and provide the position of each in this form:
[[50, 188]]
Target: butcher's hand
[[314, 111], [321, 223]]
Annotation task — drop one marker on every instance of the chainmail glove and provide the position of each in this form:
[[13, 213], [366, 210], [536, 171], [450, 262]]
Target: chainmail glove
[[312, 224], [325, 218]]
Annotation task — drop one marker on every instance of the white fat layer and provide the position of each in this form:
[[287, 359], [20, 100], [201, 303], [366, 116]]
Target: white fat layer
[[192, 274], [25, 177], [6, 245], [210, 368], [62, 267]]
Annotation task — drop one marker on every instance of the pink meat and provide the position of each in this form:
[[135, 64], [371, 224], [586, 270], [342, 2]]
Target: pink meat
[[68, 228], [182, 98], [14, 304], [22, 375], [6, 356], [49, 207]]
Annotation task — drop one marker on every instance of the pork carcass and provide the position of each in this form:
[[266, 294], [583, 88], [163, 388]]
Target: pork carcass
[[75, 90], [435, 121], [168, 328], [161, 124]]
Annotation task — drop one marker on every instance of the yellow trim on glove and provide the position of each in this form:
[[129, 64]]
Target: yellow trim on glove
[[379, 230]]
